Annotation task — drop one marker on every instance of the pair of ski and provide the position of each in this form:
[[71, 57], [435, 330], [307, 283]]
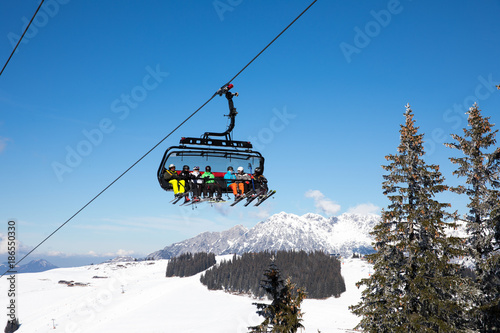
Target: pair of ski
[[211, 200], [186, 194], [251, 196], [179, 197]]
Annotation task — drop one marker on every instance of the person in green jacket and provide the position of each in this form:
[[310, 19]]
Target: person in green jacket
[[210, 185]]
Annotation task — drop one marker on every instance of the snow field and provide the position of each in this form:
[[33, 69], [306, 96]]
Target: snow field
[[136, 297]]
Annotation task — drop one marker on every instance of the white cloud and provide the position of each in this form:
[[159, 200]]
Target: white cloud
[[322, 203], [3, 244], [119, 253], [261, 214], [364, 209], [3, 144], [122, 252], [223, 210], [56, 254]]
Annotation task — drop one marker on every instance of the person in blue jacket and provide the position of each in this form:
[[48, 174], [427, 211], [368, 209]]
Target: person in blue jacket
[[230, 178]]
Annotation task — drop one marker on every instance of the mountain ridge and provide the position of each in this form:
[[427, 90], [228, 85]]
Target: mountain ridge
[[207, 241], [34, 266], [343, 235]]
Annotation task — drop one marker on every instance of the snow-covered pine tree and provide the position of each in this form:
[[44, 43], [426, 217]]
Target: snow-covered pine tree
[[283, 315], [480, 167], [414, 286], [290, 317]]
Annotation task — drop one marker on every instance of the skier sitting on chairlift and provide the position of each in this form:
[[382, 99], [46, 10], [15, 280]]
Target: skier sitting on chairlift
[[260, 182], [196, 183], [211, 185], [171, 176], [237, 188], [243, 178], [185, 175]]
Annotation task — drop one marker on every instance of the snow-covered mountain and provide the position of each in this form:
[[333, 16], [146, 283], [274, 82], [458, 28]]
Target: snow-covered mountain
[[34, 266], [215, 242], [342, 235]]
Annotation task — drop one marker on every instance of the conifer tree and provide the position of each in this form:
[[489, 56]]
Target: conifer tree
[[283, 315], [480, 166], [290, 317], [414, 287], [12, 326]]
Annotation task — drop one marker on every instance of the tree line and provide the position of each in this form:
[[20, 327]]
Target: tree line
[[189, 264], [418, 283], [317, 273]]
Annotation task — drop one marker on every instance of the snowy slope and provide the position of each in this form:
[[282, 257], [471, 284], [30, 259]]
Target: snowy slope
[[344, 234], [152, 303]]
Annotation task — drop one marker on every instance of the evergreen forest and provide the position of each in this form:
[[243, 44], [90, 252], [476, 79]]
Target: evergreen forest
[[317, 273], [188, 264]]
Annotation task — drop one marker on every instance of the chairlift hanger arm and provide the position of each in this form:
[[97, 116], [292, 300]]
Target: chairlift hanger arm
[[232, 112]]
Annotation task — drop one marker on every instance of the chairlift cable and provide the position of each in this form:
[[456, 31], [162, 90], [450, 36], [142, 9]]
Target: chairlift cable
[[156, 145], [305, 10], [20, 39], [114, 181]]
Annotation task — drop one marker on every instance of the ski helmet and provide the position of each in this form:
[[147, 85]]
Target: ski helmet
[[258, 170], [171, 166], [240, 168], [229, 168], [208, 168], [186, 167]]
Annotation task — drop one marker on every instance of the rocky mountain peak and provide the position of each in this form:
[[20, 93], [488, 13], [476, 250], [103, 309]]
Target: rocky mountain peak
[[344, 234]]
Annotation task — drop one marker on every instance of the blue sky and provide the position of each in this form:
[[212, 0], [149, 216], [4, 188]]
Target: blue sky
[[96, 84]]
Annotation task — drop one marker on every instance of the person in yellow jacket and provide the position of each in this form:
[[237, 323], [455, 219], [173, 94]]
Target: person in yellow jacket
[[178, 185]]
